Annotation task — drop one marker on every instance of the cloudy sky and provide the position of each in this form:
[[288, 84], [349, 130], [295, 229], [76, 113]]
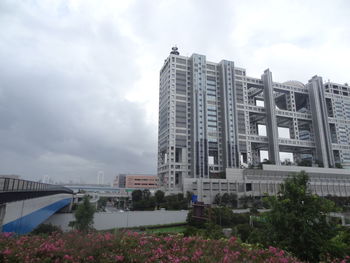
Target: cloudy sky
[[79, 78]]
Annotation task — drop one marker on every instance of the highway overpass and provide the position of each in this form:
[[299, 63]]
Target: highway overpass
[[25, 204]]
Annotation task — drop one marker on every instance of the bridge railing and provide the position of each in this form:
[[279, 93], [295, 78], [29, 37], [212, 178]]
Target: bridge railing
[[18, 185]]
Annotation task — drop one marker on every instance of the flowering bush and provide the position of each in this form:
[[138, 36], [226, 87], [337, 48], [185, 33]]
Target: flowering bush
[[132, 247]]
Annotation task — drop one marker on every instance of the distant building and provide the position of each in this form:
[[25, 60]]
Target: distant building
[[136, 181], [119, 181]]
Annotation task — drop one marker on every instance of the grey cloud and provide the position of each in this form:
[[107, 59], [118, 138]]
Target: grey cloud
[[62, 105], [67, 67]]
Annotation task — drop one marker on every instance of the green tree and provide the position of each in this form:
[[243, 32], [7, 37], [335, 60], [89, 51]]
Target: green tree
[[189, 197], [159, 195], [84, 216], [298, 220], [222, 216], [175, 202], [136, 195], [217, 199], [146, 194], [305, 163], [101, 203], [246, 201], [338, 165], [233, 200], [145, 204], [225, 199]]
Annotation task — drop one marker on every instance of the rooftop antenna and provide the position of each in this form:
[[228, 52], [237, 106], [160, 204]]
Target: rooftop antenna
[[174, 50]]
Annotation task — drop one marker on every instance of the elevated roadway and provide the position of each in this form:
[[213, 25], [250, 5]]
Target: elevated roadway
[[25, 204]]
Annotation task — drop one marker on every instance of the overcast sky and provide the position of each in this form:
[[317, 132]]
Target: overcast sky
[[79, 78]]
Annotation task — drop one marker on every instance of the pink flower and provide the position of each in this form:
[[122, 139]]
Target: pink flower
[[143, 242], [7, 234], [273, 249], [108, 236], [68, 257], [226, 259], [7, 251], [284, 260], [197, 254], [119, 258]]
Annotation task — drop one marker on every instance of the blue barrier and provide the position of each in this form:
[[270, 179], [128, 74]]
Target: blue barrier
[[29, 222]]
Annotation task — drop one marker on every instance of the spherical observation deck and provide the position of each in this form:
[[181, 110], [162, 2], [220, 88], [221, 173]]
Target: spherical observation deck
[[294, 83]]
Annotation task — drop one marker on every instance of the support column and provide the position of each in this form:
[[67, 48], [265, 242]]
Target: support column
[[294, 128], [255, 156], [229, 115], [320, 123], [271, 127]]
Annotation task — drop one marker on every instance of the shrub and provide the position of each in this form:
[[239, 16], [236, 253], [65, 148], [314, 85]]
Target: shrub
[[243, 231], [132, 247], [238, 219], [222, 216], [46, 229]]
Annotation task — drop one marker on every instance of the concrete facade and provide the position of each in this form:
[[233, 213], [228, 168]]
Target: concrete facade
[[267, 181], [212, 116], [136, 181]]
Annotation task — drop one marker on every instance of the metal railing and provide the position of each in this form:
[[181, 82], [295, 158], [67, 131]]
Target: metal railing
[[18, 185]]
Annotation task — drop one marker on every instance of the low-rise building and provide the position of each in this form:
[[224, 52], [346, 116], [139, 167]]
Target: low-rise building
[[267, 181], [141, 181]]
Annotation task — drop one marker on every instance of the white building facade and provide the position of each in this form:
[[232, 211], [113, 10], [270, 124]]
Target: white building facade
[[212, 116]]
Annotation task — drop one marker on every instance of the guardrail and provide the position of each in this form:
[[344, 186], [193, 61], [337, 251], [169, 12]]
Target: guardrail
[[18, 185]]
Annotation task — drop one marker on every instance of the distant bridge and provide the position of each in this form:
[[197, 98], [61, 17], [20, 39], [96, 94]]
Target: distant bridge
[[25, 204]]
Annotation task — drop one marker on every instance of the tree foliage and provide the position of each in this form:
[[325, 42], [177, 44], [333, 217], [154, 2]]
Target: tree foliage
[[298, 220], [136, 195], [142, 200], [46, 229], [226, 200], [305, 163], [146, 194], [101, 203], [159, 196], [175, 202], [84, 216]]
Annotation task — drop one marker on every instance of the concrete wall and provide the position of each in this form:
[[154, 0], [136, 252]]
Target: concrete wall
[[123, 219], [269, 167]]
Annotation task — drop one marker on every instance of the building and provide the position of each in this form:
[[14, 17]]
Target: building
[[212, 116], [135, 181], [260, 182]]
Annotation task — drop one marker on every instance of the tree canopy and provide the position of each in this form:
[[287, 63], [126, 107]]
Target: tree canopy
[[136, 195], [159, 196], [84, 215], [298, 220]]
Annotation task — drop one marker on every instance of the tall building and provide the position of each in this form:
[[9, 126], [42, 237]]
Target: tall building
[[212, 116]]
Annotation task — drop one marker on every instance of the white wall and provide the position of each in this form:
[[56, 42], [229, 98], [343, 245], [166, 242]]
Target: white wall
[[18, 209], [105, 220]]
